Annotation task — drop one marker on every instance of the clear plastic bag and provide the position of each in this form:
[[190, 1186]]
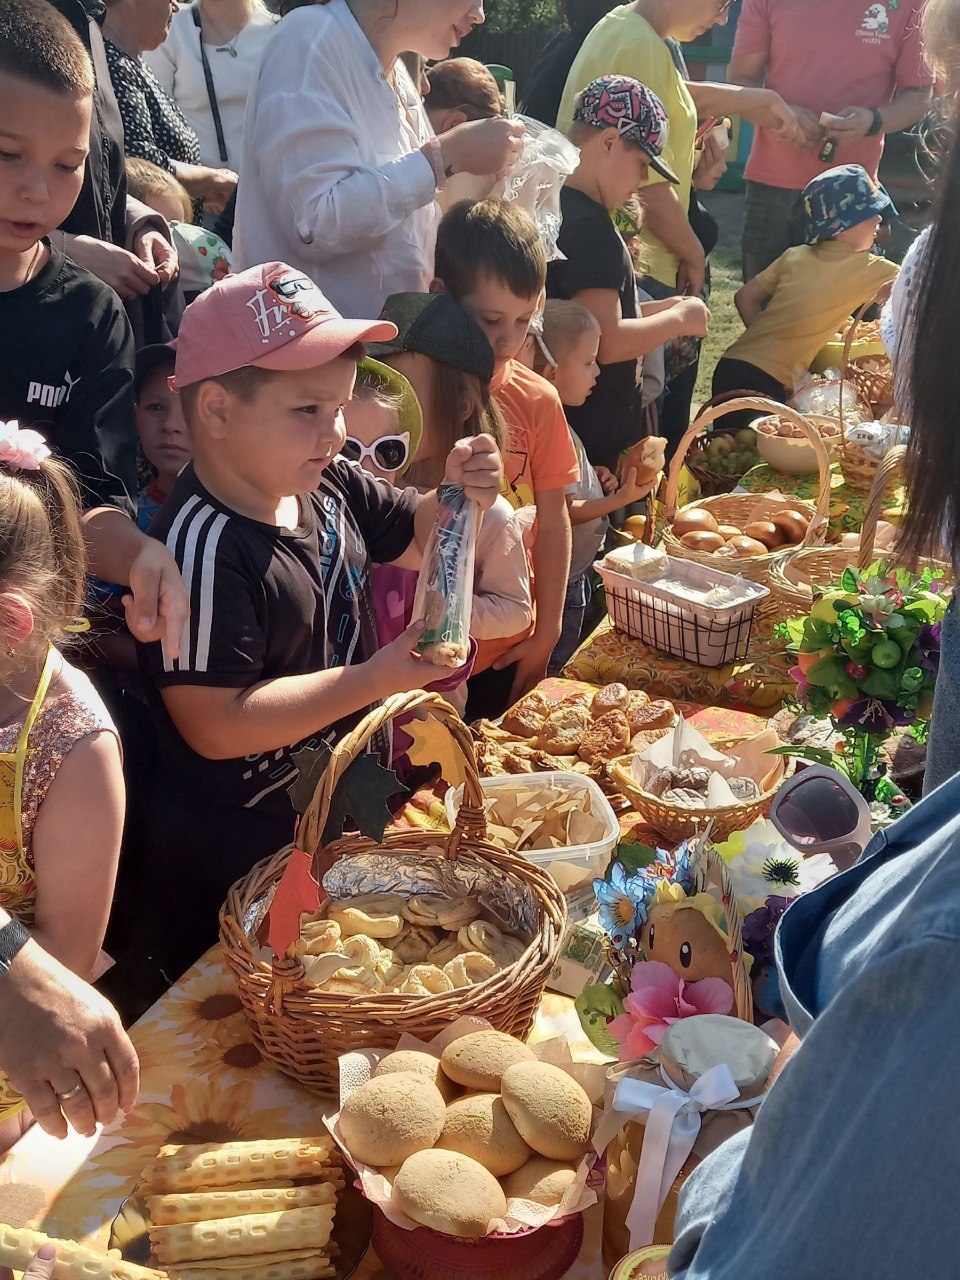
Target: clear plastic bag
[[547, 159], [820, 394], [444, 596]]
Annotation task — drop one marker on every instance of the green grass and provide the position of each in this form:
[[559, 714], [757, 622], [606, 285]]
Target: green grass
[[725, 323]]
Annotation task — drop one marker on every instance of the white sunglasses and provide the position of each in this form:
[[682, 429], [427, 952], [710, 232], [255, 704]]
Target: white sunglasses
[[389, 453]]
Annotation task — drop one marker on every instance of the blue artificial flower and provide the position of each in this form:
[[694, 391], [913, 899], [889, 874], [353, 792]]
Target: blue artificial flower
[[622, 909], [760, 926]]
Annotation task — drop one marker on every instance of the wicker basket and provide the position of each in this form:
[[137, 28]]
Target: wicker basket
[[875, 389], [303, 1030], [673, 823], [792, 580], [740, 509]]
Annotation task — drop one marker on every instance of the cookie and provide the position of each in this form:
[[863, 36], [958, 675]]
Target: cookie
[[659, 714], [606, 738], [551, 1111], [391, 1117], [421, 1064], [424, 980], [375, 914], [744, 788], [449, 1192], [469, 968], [438, 910], [526, 718], [540, 1180], [478, 1060], [478, 1126], [612, 697], [415, 944], [505, 948], [563, 729]]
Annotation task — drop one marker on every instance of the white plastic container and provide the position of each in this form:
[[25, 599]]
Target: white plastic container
[[590, 859], [710, 635]]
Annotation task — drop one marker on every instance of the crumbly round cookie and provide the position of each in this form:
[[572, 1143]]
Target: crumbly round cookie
[[551, 1111], [541, 1180], [478, 1060], [449, 1192], [478, 1126], [421, 1064], [391, 1117]]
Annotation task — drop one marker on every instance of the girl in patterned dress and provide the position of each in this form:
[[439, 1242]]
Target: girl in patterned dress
[[61, 777]]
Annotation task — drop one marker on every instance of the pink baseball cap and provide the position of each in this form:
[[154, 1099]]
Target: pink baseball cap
[[272, 316]]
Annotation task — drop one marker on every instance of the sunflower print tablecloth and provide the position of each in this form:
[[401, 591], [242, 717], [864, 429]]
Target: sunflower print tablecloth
[[202, 1080], [847, 506]]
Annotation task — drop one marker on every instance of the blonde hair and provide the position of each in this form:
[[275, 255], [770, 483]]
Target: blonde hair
[[941, 36], [461, 405], [372, 387], [146, 179], [41, 551], [563, 324]]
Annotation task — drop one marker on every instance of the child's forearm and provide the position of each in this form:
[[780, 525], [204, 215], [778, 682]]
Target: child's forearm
[[113, 542], [633, 339], [551, 566], [583, 510]]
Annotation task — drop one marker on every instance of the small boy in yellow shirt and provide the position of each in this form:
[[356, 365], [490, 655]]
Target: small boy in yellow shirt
[[794, 308]]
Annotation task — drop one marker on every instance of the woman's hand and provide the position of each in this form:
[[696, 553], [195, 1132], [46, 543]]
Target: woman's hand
[[125, 273], [476, 464], [158, 253], [213, 186], [482, 147], [711, 166], [780, 118]]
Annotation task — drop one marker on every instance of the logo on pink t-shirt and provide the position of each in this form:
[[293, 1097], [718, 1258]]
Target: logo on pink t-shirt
[[876, 25]]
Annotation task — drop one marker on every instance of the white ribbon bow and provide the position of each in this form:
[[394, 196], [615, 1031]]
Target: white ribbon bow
[[672, 1128]]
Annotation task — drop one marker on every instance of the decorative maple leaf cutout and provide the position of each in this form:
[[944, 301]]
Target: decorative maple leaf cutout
[[433, 743], [362, 793], [297, 894]]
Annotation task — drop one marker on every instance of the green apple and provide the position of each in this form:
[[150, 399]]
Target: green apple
[[746, 437]]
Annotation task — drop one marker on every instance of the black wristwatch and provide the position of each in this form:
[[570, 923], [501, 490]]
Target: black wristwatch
[[877, 126], [13, 938]]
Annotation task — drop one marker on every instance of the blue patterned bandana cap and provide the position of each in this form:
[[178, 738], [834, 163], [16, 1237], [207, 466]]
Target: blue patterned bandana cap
[[840, 199]]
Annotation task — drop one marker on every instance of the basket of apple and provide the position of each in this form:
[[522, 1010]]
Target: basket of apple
[[720, 458]]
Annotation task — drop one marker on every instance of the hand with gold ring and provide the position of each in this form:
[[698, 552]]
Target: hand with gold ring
[[71, 1093]]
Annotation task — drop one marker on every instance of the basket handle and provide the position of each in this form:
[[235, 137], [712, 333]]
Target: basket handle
[[816, 530], [847, 348], [470, 819], [891, 464]]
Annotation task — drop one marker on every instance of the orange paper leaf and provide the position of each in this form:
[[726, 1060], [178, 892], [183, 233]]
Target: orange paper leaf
[[297, 894]]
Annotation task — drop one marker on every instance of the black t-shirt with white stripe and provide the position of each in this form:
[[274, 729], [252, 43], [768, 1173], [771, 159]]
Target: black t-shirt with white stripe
[[268, 602]]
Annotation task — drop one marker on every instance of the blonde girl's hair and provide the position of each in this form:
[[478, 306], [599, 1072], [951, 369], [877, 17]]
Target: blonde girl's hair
[[41, 550], [941, 36], [461, 406], [563, 323]]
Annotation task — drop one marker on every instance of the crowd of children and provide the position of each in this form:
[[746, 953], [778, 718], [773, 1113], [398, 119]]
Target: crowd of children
[[266, 554]]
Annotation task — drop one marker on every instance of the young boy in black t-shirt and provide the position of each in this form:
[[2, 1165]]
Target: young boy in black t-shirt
[[620, 127], [66, 347], [275, 535]]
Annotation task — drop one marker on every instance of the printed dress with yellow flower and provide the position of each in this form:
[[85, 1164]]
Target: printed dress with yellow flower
[[31, 751]]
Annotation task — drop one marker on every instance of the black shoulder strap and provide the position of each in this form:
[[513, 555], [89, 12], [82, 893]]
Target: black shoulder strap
[[211, 90]]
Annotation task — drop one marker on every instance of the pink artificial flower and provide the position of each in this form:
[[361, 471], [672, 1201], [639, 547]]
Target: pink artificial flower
[[21, 449], [659, 997], [802, 685]]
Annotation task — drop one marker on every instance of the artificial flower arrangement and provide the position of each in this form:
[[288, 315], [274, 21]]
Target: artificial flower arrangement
[[866, 657], [674, 947]]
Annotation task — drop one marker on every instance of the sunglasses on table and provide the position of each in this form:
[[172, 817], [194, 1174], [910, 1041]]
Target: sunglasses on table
[[389, 453], [819, 810]]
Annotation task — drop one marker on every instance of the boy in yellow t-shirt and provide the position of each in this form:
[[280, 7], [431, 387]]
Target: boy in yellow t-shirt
[[792, 309]]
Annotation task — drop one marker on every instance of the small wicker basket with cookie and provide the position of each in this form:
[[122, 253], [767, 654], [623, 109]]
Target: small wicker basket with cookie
[[416, 931]]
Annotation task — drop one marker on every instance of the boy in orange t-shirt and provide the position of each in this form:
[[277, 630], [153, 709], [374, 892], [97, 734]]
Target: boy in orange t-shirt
[[491, 260]]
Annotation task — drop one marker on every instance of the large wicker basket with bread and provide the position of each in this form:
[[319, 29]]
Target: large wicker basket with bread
[[873, 379], [304, 1030], [739, 510]]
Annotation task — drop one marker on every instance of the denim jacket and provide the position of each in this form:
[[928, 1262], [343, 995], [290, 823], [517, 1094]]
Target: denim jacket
[[852, 1169]]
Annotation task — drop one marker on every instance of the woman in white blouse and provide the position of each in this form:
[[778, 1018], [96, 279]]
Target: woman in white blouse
[[340, 165], [207, 64]]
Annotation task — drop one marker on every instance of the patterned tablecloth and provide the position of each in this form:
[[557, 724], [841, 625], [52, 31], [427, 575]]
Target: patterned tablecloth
[[759, 683], [203, 1080], [847, 506]]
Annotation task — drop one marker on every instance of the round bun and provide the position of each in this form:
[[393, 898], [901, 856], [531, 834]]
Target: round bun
[[659, 714], [694, 521], [543, 1181], [702, 540], [765, 531], [728, 531], [391, 1117], [792, 524], [479, 1060], [478, 1126], [551, 1111], [612, 697], [745, 547], [449, 1192], [421, 1064]]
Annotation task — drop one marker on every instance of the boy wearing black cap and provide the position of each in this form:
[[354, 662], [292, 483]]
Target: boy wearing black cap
[[164, 437]]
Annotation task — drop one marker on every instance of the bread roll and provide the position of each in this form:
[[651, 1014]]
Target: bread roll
[[450, 1193], [696, 519], [478, 1060], [478, 1126], [392, 1116], [702, 540], [543, 1181], [551, 1111], [421, 1064]]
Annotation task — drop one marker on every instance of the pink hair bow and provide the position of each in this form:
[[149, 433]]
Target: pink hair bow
[[20, 448]]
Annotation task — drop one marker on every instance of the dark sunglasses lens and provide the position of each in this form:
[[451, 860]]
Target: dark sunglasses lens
[[350, 450], [390, 454], [817, 811]]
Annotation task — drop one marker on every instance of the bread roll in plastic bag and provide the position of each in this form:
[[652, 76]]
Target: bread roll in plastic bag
[[444, 596]]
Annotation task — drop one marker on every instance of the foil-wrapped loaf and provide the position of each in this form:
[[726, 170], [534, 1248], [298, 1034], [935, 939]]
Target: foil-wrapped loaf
[[444, 596]]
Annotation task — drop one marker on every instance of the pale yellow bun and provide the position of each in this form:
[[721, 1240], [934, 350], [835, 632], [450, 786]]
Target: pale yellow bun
[[479, 1060], [421, 1064], [449, 1192], [478, 1126], [541, 1180], [551, 1111], [391, 1117]]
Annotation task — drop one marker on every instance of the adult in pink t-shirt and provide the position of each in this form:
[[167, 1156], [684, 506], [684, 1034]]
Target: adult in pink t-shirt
[[855, 59]]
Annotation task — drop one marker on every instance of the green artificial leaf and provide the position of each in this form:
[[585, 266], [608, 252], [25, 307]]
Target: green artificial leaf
[[828, 673], [792, 631], [912, 679], [881, 684], [849, 580], [595, 1007], [633, 858], [816, 755], [361, 794]]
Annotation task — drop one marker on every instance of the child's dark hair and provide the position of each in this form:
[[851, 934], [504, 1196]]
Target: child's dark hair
[[246, 381], [38, 44], [563, 324], [41, 550], [464, 84], [493, 238], [933, 454]]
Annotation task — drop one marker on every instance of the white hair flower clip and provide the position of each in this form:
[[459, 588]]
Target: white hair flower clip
[[22, 449]]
